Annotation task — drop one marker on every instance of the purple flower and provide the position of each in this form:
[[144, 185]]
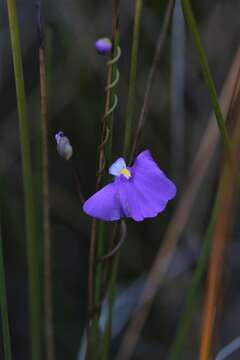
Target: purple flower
[[64, 148], [140, 191], [103, 46]]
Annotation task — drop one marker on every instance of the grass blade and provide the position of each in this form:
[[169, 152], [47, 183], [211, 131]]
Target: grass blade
[[132, 80], [189, 17], [4, 307], [179, 220], [231, 90], [151, 75], [186, 316], [33, 270], [229, 183]]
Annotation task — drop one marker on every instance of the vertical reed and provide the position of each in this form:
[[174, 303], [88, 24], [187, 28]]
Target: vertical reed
[[132, 81], [105, 153], [126, 153], [49, 331], [3, 304], [190, 19], [33, 263], [229, 184]]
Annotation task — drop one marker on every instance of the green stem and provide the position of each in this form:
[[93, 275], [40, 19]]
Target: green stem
[[126, 154], [33, 266], [98, 283], [189, 17], [185, 321], [113, 99], [4, 307], [132, 81], [102, 226], [111, 293], [97, 247]]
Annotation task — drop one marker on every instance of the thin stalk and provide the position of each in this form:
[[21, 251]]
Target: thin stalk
[[132, 80], [186, 317], [105, 154], [179, 221], [33, 263], [48, 306], [127, 144], [220, 243], [177, 86], [151, 75], [216, 264], [126, 153], [4, 307], [49, 332], [187, 314], [111, 293], [189, 18]]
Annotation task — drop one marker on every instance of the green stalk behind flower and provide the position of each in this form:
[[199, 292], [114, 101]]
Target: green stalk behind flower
[[4, 307], [126, 153], [33, 270], [189, 18]]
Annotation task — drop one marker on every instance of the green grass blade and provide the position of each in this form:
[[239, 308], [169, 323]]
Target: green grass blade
[[189, 17], [4, 307], [132, 81], [111, 293], [27, 182], [185, 321]]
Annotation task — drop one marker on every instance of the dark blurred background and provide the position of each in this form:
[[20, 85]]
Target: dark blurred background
[[77, 77]]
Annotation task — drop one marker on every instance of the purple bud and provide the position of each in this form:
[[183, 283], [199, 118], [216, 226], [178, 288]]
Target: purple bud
[[64, 148], [103, 46]]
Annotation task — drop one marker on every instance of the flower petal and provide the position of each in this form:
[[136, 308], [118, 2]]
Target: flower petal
[[117, 166], [148, 177], [104, 204], [129, 201], [144, 195]]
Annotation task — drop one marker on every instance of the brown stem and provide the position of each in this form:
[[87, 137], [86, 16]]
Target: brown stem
[[114, 250], [221, 239], [100, 174], [49, 332]]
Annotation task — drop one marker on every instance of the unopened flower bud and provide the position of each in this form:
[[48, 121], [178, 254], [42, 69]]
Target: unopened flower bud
[[64, 148], [103, 46]]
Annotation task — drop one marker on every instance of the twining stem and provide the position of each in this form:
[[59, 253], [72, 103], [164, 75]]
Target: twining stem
[[126, 152], [105, 153], [132, 80], [49, 332], [189, 17], [33, 263], [4, 307]]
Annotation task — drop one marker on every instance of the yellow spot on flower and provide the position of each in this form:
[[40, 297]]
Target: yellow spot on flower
[[126, 173]]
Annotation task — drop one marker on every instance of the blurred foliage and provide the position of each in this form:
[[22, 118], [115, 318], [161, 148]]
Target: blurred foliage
[[77, 79]]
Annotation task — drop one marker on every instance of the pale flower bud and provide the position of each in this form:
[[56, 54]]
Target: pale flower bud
[[64, 148]]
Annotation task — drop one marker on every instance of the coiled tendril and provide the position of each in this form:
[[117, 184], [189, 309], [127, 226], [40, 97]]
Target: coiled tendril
[[114, 81], [108, 112]]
